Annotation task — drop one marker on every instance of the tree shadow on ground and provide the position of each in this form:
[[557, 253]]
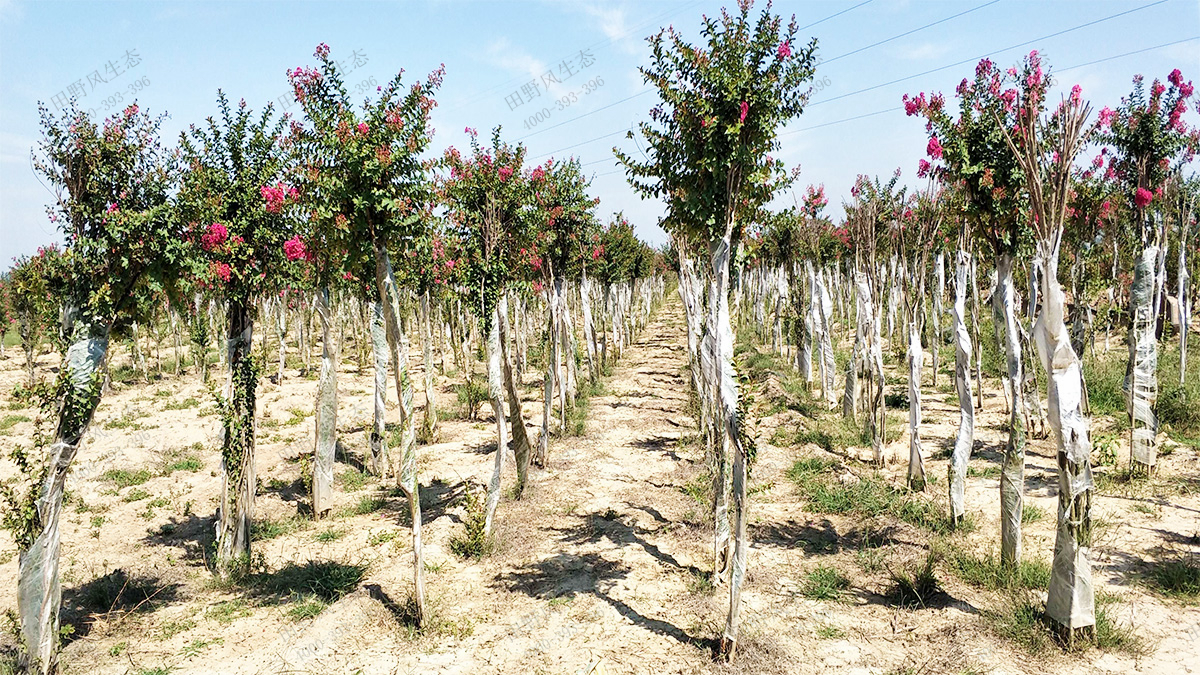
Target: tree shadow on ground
[[569, 575], [112, 597], [597, 527], [664, 444], [191, 534], [822, 538]]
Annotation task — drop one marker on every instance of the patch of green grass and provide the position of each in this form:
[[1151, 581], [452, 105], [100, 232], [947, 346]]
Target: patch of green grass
[[182, 405], [270, 528], [915, 588], [470, 395], [699, 488], [298, 415], [172, 628], [160, 670], [365, 504], [9, 421], [332, 534], [189, 463], [118, 649], [1031, 513], [306, 608], [353, 480], [383, 537], [829, 632], [473, 543], [124, 478], [1105, 377], [869, 497], [1021, 620], [1177, 578], [328, 580], [986, 571], [988, 471], [136, 494], [228, 611], [197, 646], [825, 583]]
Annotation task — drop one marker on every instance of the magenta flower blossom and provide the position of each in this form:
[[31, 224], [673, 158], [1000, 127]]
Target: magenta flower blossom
[[112, 208], [505, 173], [1106, 117], [295, 249], [785, 50], [322, 51], [1175, 78], [537, 174], [745, 108], [274, 195], [1076, 91], [1143, 197], [220, 270], [934, 148], [362, 128], [215, 236], [923, 168]]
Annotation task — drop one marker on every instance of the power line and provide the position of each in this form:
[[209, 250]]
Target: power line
[[991, 53], [905, 34], [832, 16], [1139, 51]]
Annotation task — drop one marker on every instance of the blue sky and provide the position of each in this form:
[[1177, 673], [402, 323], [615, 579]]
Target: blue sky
[[173, 56]]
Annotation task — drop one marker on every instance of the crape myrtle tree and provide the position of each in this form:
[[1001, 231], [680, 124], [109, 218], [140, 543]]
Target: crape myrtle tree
[[432, 271], [236, 237], [487, 197], [873, 217], [1151, 140], [364, 182], [970, 151], [112, 184], [33, 302], [1046, 146], [956, 225], [722, 104], [919, 226], [563, 220]]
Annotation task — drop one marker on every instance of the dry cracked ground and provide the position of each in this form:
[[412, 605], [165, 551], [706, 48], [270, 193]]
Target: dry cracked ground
[[602, 566]]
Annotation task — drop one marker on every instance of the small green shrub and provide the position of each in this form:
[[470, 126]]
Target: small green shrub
[[825, 583], [470, 394], [473, 543], [124, 478]]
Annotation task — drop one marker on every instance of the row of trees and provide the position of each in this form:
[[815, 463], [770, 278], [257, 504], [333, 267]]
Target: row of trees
[[252, 214], [1006, 178]]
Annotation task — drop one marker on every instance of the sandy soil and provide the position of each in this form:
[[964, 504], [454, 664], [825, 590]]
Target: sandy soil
[[600, 568]]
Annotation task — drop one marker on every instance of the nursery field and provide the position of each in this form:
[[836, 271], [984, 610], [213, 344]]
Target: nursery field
[[603, 565]]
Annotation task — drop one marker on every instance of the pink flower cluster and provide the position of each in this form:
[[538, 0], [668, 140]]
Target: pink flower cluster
[[363, 128], [934, 148], [1143, 197], [214, 236], [537, 174], [744, 108], [505, 173], [112, 208], [275, 195], [220, 270], [923, 168], [784, 50], [295, 249]]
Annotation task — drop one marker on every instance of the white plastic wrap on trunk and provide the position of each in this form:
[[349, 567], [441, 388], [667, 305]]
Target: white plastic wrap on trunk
[[939, 276], [496, 393], [875, 363], [965, 440], [431, 421], [824, 324], [719, 378], [378, 441], [553, 373], [589, 326], [39, 594], [805, 339], [326, 417], [1143, 351], [1012, 469], [516, 418], [1070, 600], [1185, 313], [916, 464]]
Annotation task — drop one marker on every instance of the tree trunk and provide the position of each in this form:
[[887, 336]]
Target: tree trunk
[[39, 594], [406, 457], [430, 422], [939, 276], [589, 328], [916, 357], [965, 441], [1143, 356], [1185, 305], [236, 511], [552, 374], [824, 329], [1070, 600], [326, 417], [516, 418], [379, 464], [496, 393], [1012, 470]]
